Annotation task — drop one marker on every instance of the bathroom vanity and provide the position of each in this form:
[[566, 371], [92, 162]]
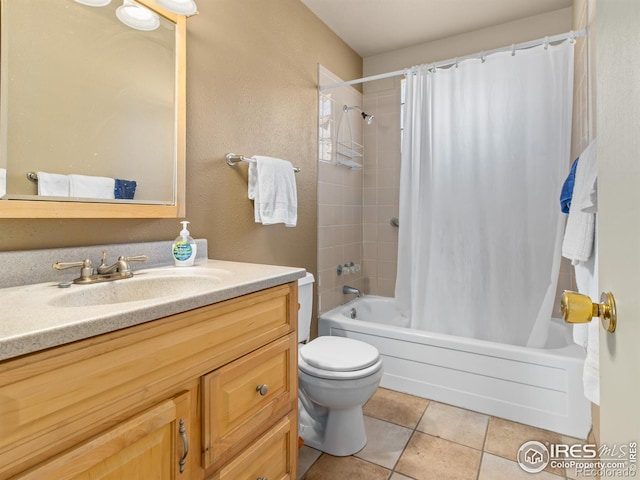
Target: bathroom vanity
[[206, 392]]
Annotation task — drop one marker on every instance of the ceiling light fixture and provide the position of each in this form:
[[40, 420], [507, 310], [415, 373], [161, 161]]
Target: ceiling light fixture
[[181, 7], [94, 3], [136, 16]]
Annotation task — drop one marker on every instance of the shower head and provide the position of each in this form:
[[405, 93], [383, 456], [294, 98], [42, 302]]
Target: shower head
[[365, 116]]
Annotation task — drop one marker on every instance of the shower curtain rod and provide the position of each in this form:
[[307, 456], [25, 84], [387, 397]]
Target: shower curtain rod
[[453, 61]]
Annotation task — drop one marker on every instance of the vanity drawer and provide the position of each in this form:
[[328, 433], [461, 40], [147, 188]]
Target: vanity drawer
[[272, 456], [245, 397]]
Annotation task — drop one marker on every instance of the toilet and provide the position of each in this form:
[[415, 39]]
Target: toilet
[[336, 377]]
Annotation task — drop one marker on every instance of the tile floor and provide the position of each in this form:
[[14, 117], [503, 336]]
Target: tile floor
[[413, 438]]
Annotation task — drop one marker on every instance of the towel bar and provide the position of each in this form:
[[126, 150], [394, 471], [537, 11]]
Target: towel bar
[[233, 159]]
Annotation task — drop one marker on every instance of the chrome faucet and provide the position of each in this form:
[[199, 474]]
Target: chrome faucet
[[104, 273], [346, 290]]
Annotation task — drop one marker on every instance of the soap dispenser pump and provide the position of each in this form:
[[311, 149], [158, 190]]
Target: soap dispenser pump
[[184, 248]]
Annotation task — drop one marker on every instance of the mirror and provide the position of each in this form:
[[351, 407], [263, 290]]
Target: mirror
[[91, 100]]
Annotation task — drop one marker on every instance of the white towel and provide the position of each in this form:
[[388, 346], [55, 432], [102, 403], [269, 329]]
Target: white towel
[[272, 187], [84, 186], [3, 182], [53, 184], [580, 247], [580, 230], [588, 334]]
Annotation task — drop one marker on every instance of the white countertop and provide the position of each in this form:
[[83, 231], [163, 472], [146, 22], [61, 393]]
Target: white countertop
[[40, 316]]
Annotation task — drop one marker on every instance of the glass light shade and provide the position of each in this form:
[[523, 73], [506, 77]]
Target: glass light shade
[[181, 7], [138, 17], [94, 3]]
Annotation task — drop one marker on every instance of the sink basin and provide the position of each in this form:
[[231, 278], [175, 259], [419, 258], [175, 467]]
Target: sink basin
[[134, 289]]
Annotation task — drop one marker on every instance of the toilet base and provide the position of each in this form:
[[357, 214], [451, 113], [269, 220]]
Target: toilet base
[[343, 434]]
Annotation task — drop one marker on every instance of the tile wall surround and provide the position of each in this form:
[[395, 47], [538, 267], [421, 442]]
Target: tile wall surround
[[340, 197], [355, 206], [25, 267], [381, 186]]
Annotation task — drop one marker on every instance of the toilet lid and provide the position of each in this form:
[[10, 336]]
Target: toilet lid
[[339, 354]]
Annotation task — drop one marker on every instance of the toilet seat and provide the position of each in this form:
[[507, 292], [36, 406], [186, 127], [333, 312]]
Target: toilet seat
[[338, 358]]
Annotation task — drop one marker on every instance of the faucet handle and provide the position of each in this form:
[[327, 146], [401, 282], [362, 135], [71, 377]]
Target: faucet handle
[[136, 258], [64, 265], [86, 269]]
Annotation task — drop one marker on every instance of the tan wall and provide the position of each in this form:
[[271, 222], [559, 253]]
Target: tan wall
[[489, 38], [251, 89]]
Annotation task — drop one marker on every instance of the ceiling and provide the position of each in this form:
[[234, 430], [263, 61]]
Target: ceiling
[[372, 27]]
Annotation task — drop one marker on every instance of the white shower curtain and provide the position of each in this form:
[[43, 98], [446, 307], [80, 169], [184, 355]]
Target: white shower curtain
[[485, 150]]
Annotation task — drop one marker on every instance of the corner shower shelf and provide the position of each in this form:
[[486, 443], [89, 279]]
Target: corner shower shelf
[[352, 150], [349, 163]]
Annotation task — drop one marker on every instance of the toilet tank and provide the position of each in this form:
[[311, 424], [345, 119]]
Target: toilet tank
[[305, 299]]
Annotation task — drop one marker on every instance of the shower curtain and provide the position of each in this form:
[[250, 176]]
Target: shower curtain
[[485, 150]]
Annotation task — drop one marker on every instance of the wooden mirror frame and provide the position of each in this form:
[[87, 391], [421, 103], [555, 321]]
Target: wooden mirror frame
[[71, 209]]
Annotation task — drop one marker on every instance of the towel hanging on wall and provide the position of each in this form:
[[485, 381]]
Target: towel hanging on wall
[[272, 187]]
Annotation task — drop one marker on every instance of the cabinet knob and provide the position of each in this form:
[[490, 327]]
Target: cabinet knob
[[262, 389]]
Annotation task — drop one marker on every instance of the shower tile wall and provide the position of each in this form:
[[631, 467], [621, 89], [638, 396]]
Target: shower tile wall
[[381, 186], [340, 196]]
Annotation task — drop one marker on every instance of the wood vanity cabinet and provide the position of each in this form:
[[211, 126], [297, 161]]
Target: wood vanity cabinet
[[210, 393]]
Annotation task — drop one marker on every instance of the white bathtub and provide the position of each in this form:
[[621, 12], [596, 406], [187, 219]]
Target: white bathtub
[[538, 387]]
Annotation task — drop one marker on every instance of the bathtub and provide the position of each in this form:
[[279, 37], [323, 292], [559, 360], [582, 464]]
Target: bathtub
[[537, 387]]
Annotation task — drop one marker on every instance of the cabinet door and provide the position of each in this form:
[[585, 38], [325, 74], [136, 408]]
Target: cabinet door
[[272, 456], [244, 398], [153, 444]]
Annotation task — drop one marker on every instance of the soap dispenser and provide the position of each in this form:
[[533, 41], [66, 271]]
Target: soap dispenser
[[184, 248]]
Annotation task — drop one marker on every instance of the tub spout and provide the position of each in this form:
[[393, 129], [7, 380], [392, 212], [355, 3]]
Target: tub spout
[[351, 291]]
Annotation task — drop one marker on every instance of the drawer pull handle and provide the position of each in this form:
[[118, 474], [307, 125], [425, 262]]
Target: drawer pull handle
[[262, 478], [262, 389], [185, 441]]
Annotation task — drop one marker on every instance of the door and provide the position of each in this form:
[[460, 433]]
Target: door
[[149, 445], [618, 125]]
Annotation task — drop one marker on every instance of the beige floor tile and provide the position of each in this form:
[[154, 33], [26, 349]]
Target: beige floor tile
[[431, 458], [306, 457], [455, 424], [385, 442], [498, 468], [333, 468], [396, 407], [399, 476], [504, 438]]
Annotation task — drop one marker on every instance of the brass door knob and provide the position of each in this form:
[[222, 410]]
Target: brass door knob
[[578, 308]]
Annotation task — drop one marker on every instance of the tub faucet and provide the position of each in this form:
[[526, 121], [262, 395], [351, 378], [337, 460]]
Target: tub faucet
[[351, 291]]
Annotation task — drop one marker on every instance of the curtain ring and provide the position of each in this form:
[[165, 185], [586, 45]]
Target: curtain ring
[[572, 37], [456, 64], [546, 43], [513, 49], [482, 58]]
